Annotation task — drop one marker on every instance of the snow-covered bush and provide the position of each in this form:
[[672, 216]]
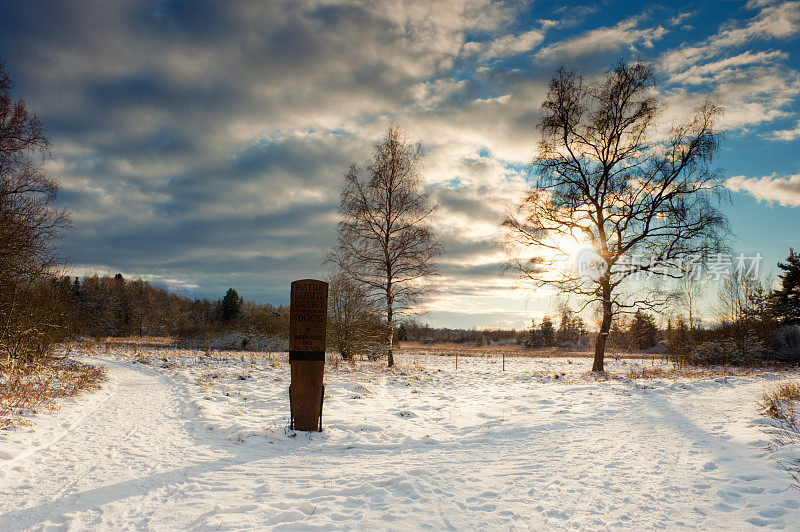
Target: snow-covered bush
[[751, 351]]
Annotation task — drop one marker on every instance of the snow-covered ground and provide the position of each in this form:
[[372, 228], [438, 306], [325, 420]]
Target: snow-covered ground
[[203, 445]]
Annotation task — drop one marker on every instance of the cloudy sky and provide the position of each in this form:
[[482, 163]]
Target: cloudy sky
[[203, 145]]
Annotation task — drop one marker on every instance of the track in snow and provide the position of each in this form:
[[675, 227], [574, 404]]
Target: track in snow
[[123, 463], [520, 456]]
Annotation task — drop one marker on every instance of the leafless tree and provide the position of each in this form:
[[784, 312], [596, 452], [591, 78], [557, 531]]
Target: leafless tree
[[746, 298], [29, 222], [690, 290], [354, 322], [744, 308], [385, 242], [609, 177]]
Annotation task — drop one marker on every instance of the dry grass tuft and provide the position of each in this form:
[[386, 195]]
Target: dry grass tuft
[[647, 373], [779, 401], [29, 389], [207, 380], [141, 359], [333, 361], [689, 373], [469, 350]]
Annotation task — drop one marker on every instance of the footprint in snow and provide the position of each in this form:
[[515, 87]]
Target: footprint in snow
[[791, 503], [772, 513]]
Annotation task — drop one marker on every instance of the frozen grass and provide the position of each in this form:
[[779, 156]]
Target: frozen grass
[[453, 349], [780, 402], [140, 341], [27, 390]]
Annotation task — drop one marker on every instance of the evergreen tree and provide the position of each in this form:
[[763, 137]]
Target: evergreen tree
[[547, 332], [643, 331], [787, 299], [402, 333], [76, 290], [579, 332], [534, 336], [231, 306], [617, 337], [569, 329]]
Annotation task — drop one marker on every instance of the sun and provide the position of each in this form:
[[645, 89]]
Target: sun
[[571, 246]]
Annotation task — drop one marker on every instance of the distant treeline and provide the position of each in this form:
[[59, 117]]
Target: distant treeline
[[114, 306], [571, 330], [414, 332], [759, 323]]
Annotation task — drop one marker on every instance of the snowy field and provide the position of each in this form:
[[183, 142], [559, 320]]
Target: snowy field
[[202, 444]]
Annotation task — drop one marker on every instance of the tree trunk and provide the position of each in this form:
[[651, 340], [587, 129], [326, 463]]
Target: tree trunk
[[390, 335], [600, 344], [389, 323]]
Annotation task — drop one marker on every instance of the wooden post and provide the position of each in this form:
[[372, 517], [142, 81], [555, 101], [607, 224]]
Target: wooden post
[[504, 361], [308, 318]]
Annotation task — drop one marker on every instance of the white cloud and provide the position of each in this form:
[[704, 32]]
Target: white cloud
[[787, 134], [771, 188], [680, 17], [725, 68], [211, 147], [505, 46], [774, 21], [625, 34], [753, 86]]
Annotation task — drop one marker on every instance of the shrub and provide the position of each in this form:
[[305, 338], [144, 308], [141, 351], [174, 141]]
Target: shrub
[[750, 351], [240, 340], [785, 344], [32, 321]]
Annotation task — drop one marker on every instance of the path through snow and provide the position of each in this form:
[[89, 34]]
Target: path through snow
[[456, 451]]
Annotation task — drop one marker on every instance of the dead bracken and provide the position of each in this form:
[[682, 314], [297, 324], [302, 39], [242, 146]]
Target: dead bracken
[[28, 389]]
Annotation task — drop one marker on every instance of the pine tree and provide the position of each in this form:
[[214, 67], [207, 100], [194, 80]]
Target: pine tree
[[547, 332], [402, 333], [231, 306], [534, 336], [569, 327], [643, 330], [787, 299]]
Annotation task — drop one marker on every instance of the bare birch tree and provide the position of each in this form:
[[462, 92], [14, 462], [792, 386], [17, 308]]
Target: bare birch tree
[[609, 178], [385, 242], [690, 292]]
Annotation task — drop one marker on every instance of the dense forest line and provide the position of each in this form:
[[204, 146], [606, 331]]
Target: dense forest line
[[117, 307]]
